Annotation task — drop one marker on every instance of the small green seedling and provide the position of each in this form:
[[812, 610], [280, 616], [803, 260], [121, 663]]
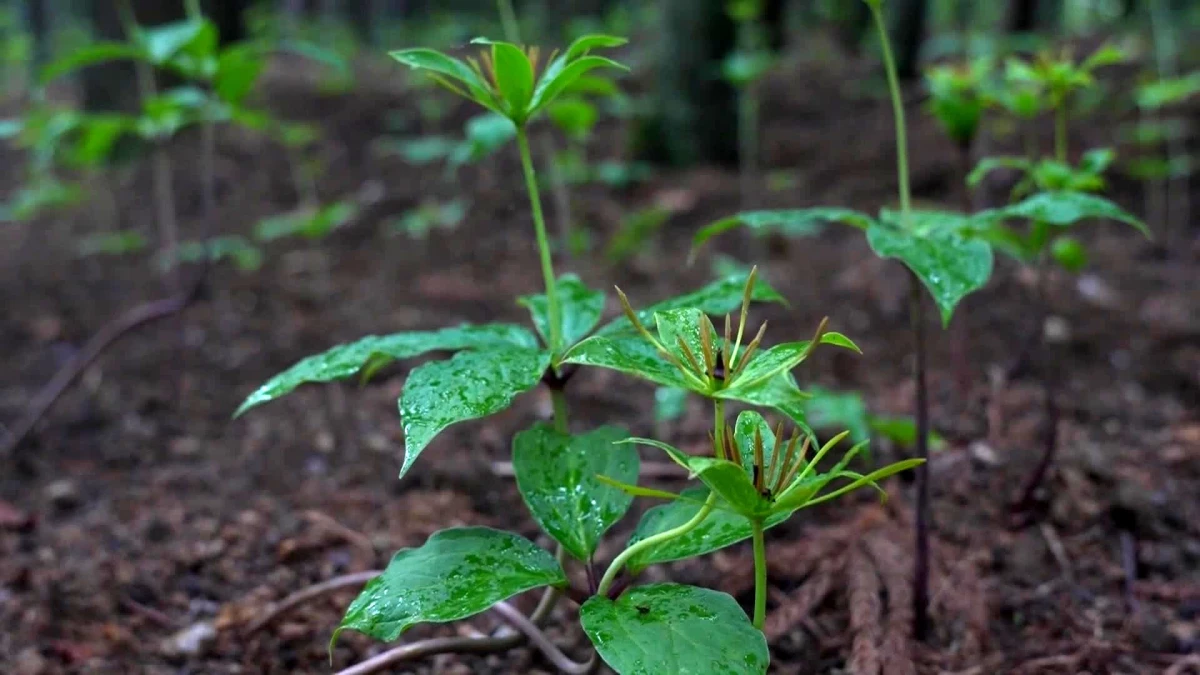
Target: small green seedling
[[431, 216], [578, 485], [957, 99]]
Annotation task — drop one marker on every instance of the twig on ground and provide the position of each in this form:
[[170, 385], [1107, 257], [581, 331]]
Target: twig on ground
[[312, 592], [1059, 552], [538, 639]]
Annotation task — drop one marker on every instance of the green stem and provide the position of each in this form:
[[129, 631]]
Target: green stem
[[719, 428], [610, 575], [1060, 132], [889, 64], [539, 223], [559, 398], [760, 576], [508, 17]]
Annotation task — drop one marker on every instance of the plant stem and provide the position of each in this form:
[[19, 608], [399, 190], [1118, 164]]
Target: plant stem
[[921, 543], [760, 575], [559, 399], [1060, 132], [719, 428], [916, 308], [508, 17], [539, 223], [610, 575], [889, 64]]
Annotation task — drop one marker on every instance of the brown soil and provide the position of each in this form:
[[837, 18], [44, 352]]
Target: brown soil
[[138, 509]]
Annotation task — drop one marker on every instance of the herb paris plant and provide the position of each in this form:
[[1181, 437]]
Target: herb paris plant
[[577, 486]]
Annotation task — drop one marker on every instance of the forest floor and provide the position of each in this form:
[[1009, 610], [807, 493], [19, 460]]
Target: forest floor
[[142, 529]]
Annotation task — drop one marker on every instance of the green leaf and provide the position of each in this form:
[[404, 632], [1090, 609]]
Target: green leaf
[[800, 499], [829, 410], [558, 476], [1068, 208], [553, 84], [677, 326], [950, 265], [628, 354], [732, 483], [989, 164], [470, 385], [1069, 253], [779, 392], [449, 72], [120, 242], [91, 55], [1162, 93], [457, 573], [586, 43], [719, 297], [791, 222], [574, 116], [720, 529], [670, 628], [670, 403], [581, 308], [345, 360], [748, 425], [238, 69], [163, 42], [902, 431], [782, 358], [514, 78]]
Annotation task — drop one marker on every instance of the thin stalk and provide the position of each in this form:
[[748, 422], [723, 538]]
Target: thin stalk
[[539, 223], [916, 308], [719, 428], [760, 575], [889, 64], [559, 399], [508, 17], [1061, 118], [610, 575]]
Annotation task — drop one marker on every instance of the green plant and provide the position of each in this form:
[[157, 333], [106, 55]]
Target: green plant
[[941, 254], [744, 68], [578, 485]]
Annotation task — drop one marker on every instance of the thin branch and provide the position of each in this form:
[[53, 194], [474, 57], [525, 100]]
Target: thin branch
[[431, 647], [311, 593], [530, 630]]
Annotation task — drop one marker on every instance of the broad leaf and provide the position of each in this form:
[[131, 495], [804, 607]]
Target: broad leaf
[[345, 360], [581, 308], [91, 55], [586, 43], [790, 222], [630, 354], [468, 386], [671, 628], [749, 425], [782, 359], [558, 476], [449, 72], [720, 529], [553, 84], [1069, 253], [457, 573], [779, 392], [238, 69], [714, 299], [730, 481], [950, 265], [830, 410], [164, 42], [1068, 208], [679, 332], [514, 77]]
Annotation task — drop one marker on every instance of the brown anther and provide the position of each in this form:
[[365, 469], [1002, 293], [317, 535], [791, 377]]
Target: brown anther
[[706, 344], [687, 353], [789, 456], [791, 474], [816, 340], [734, 451], [727, 347], [758, 460], [745, 357]]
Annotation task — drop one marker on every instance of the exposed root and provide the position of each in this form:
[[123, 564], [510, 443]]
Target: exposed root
[[311, 593], [866, 613]]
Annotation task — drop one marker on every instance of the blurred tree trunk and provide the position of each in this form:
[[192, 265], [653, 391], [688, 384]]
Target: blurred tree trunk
[[1022, 16], [112, 86], [908, 31], [365, 16], [694, 116], [39, 31], [851, 24]]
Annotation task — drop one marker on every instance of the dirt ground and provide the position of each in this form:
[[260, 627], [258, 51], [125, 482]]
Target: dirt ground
[[142, 530]]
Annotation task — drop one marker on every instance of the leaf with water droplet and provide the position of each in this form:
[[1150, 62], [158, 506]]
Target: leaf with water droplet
[[627, 353], [717, 298], [468, 386], [581, 308], [457, 573], [936, 248], [677, 629], [557, 475], [345, 360]]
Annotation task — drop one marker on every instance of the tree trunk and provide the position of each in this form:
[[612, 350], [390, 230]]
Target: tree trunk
[[111, 86], [695, 109], [1022, 16], [39, 29], [364, 16], [909, 34]]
